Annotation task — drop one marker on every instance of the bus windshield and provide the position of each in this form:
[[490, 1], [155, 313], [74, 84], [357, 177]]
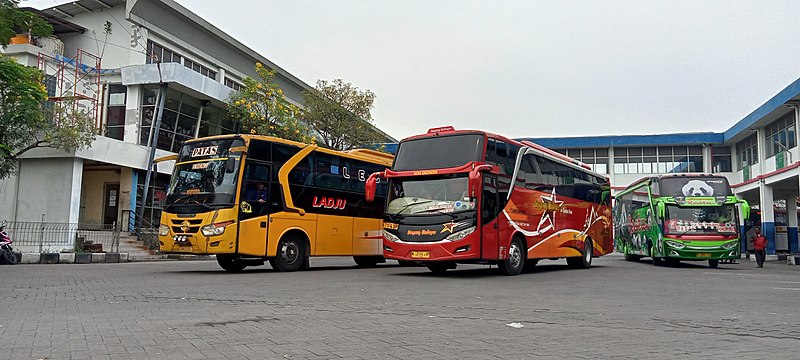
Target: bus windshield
[[200, 177], [701, 220], [438, 152], [427, 195]]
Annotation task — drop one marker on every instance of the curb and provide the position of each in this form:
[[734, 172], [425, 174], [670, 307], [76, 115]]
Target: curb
[[94, 258], [71, 258]]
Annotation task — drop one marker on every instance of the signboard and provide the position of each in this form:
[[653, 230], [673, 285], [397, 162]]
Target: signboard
[[780, 160]]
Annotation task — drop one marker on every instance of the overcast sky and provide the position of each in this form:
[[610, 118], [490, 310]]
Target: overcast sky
[[531, 68]]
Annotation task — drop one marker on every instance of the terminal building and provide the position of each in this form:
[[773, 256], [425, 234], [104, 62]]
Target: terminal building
[[104, 54], [758, 154]]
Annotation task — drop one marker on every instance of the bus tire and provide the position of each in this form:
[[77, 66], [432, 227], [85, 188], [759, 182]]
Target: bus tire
[[230, 262], [529, 265], [440, 268], [631, 257], [713, 263], [516, 258], [367, 261], [291, 254], [585, 261]]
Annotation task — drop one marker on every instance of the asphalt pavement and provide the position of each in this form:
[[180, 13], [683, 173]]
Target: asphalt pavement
[[194, 310]]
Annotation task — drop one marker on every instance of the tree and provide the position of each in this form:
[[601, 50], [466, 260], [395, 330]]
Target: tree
[[261, 108], [27, 121], [340, 114], [15, 21]]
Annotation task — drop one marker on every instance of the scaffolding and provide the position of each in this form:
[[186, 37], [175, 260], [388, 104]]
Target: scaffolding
[[75, 80]]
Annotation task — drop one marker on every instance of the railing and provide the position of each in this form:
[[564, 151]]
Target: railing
[[56, 237], [147, 233]]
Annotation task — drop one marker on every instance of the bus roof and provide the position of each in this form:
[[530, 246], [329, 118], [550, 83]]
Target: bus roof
[[358, 154], [450, 130]]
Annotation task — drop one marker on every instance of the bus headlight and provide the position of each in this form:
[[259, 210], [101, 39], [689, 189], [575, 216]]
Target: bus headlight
[[215, 229], [730, 245], [458, 235], [163, 230], [391, 237], [675, 244]]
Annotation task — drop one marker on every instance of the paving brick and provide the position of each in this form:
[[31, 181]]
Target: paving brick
[[194, 310]]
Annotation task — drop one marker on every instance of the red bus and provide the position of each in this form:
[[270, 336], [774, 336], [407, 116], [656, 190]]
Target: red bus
[[475, 197]]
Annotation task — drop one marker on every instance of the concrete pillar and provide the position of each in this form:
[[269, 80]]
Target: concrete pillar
[[707, 159], [767, 206], [791, 229], [611, 176], [133, 100], [761, 137]]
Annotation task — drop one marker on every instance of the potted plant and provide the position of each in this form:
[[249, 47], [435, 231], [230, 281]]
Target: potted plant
[[27, 25]]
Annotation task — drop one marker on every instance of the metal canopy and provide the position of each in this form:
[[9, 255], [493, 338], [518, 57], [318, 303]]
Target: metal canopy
[[81, 6]]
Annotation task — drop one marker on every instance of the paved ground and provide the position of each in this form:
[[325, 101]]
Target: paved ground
[[193, 310]]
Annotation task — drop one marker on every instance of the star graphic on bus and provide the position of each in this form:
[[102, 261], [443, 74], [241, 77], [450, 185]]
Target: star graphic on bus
[[448, 227], [552, 207]]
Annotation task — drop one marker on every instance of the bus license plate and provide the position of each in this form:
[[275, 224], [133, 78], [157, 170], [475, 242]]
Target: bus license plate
[[420, 254], [703, 255]]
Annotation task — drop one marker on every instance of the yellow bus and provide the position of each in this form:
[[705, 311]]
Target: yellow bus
[[250, 199]]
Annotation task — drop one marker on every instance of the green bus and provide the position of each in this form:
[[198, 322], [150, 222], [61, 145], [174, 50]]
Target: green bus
[[681, 217]]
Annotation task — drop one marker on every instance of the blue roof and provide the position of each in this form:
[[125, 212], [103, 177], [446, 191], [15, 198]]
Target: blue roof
[[777, 101], [629, 140]]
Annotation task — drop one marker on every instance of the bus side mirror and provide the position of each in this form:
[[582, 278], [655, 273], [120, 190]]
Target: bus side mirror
[[230, 165], [745, 210], [371, 186], [476, 179], [661, 209]]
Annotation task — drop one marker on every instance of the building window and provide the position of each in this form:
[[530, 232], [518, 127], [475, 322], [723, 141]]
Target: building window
[[747, 150], [200, 68], [721, 159], [155, 197], [658, 160], [157, 53], [780, 135], [233, 84], [115, 111], [597, 159], [179, 122]]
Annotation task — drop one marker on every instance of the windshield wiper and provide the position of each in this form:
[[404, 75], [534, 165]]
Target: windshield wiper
[[180, 197], [392, 216]]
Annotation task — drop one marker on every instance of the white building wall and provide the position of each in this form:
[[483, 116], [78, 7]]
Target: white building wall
[[116, 49]]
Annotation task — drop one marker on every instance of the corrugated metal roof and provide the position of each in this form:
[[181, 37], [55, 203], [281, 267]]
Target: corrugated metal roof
[[81, 6]]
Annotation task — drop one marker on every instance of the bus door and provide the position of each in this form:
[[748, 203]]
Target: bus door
[[254, 201], [493, 199]]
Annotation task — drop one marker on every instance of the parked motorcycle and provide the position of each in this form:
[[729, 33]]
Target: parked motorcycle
[[7, 255]]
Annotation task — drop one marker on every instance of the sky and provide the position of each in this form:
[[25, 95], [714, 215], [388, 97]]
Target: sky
[[530, 68]]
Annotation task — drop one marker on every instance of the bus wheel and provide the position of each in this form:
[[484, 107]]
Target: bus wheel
[[713, 264], [230, 263], [529, 265], [516, 258], [631, 257], [291, 254], [367, 261], [440, 268], [585, 261]]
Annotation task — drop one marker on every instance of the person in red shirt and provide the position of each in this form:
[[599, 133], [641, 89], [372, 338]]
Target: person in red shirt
[[759, 246]]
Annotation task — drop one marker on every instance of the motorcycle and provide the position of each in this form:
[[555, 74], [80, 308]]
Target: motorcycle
[[7, 255]]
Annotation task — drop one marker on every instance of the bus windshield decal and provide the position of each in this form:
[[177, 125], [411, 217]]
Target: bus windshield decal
[[205, 151]]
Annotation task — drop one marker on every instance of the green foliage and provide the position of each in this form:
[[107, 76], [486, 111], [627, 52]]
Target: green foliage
[[340, 114], [262, 109], [26, 123], [14, 21]]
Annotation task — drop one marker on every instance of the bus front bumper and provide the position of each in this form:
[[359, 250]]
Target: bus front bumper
[[461, 250], [700, 254]]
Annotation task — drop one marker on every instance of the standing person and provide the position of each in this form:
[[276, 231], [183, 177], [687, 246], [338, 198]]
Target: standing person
[[759, 246]]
